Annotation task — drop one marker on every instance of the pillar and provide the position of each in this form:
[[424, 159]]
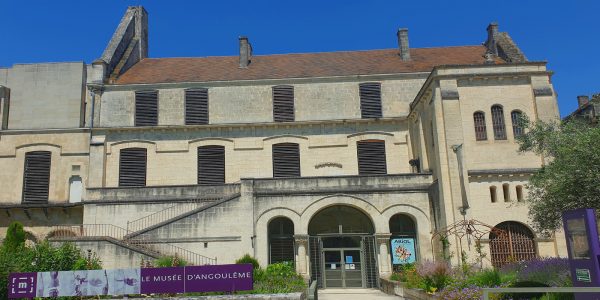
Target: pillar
[[383, 245], [301, 244]]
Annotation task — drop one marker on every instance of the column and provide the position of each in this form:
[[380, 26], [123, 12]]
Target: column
[[301, 244], [383, 244]]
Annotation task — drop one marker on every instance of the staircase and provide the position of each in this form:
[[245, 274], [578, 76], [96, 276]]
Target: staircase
[[166, 214]]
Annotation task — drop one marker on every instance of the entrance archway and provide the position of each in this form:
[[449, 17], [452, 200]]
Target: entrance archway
[[516, 245], [281, 240], [342, 248], [403, 240]]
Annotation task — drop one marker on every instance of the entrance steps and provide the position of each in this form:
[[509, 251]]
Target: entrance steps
[[354, 294]]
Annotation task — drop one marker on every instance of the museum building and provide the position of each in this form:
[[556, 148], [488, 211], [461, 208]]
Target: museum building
[[329, 160]]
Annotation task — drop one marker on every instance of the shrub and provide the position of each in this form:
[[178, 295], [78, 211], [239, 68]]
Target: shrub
[[552, 271], [485, 278], [15, 237], [247, 259], [170, 261], [279, 278], [435, 274]]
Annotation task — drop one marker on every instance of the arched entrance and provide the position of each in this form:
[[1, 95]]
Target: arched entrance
[[516, 244], [403, 240], [342, 248]]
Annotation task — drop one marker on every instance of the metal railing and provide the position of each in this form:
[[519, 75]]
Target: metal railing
[[546, 290], [88, 230], [166, 214], [190, 257]]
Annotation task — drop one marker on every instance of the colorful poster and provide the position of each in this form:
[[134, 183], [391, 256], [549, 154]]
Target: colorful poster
[[403, 251], [222, 278]]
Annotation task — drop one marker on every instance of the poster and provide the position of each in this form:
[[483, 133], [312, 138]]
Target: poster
[[403, 250], [88, 283]]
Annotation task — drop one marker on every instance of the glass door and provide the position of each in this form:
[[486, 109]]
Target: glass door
[[333, 268], [352, 274]]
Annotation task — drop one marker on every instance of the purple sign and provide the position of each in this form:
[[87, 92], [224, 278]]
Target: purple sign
[[218, 278]]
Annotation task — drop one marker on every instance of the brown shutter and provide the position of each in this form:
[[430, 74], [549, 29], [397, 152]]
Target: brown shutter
[[370, 100], [371, 157], [283, 103], [196, 107], [211, 165], [286, 160], [146, 108], [132, 167], [36, 177]]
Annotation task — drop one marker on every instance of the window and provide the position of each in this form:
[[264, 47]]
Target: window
[[371, 157], [370, 100], [36, 177], [196, 107], [283, 103], [286, 160], [211, 165], [281, 240], [146, 108], [506, 192], [498, 122], [132, 167], [517, 243], [515, 117], [75, 189], [480, 129], [493, 194], [519, 193]]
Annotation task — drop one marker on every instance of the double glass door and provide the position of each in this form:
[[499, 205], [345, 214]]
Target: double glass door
[[343, 268]]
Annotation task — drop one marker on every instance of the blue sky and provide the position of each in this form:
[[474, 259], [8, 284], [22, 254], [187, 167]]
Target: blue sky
[[564, 33]]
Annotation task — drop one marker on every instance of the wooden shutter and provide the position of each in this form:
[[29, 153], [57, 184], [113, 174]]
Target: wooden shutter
[[196, 107], [286, 160], [211, 165], [146, 108], [370, 100], [283, 103], [371, 157], [36, 177], [132, 167]]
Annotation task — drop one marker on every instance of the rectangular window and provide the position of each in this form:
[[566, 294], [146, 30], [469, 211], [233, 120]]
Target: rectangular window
[[370, 100], [196, 107], [283, 103], [36, 177], [132, 167], [211, 165], [371, 157], [146, 108], [286, 160]]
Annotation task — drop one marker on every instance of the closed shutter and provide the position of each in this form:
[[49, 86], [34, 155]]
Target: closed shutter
[[370, 100], [286, 160], [146, 108], [36, 177], [196, 107], [132, 167], [283, 103], [281, 249], [371, 157], [211, 165]]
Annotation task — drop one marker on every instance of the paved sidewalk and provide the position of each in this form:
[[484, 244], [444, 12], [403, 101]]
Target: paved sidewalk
[[354, 294]]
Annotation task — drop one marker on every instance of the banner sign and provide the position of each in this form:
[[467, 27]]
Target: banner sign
[[210, 278], [403, 251]]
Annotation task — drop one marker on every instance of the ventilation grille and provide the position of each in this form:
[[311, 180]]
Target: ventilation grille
[[283, 103], [370, 100], [196, 107], [371, 157], [36, 178], [286, 160], [146, 108], [211, 165], [132, 167]]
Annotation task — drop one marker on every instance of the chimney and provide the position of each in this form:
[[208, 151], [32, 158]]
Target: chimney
[[583, 100], [245, 52], [492, 30], [403, 44]]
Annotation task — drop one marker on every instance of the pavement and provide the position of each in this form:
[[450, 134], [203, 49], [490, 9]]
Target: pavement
[[354, 294]]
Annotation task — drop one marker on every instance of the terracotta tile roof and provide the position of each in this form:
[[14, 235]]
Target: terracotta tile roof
[[223, 68]]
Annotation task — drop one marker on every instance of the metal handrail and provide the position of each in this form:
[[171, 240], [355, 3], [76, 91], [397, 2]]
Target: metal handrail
[[547, 290], [190, 257], [88, 230], [166, 214]]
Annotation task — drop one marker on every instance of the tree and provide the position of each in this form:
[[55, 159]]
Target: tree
[[570, 178], [15, 237]]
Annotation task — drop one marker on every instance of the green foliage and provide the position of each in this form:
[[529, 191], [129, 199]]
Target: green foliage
[[170, 261], [279, 278], [15, 236], [570, 178], [487, 277], [247, 259]]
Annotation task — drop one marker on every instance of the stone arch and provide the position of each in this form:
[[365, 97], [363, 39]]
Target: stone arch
[[60, 233], [362, 205], [422, 223], [516, 244], [262, 226]]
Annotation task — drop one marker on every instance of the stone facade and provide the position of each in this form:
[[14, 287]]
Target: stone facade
[[437, 172]]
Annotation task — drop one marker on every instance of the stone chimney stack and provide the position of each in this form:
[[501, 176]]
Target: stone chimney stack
[[403, 44], [583, 100], [492, 30], [245, 52]]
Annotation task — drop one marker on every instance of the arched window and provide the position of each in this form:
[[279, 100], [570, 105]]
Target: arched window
[[403, 240], [493, 194], [480, 129], [514, 243], [498, 122], [515, 117], [506, 192], [519, 193], [281, 240]]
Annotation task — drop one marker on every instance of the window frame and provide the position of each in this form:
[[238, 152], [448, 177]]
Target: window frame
[[363, 157], [283, 103], [370, 100], [283, 167], [139, 115], [200, 108], [515, 117], [480, 126], [37, 168], [131, 182], [498, 123]]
